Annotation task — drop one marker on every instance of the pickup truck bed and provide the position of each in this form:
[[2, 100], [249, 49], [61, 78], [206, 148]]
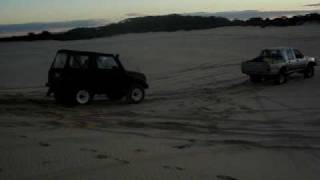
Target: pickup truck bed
[[256, 68]]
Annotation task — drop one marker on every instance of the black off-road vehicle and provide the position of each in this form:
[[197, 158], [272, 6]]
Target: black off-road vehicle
[[76, 76]]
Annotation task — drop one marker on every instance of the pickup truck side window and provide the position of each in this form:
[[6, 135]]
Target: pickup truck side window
[[290, 55], [298, 54], [273, 54], [106, 62]]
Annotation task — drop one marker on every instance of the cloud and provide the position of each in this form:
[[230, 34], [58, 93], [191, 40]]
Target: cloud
[[313, 5]]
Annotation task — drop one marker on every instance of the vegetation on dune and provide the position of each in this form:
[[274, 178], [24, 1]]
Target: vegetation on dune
[[166, 23]]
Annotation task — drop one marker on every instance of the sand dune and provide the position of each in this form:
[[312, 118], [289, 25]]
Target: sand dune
[[202, 119]]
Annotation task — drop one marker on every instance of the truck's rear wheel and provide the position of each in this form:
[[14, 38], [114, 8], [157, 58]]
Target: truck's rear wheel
[[281, 78], [255, 78], [136, 94], [309, 72]]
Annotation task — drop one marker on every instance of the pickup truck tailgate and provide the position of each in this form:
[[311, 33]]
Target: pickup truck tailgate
[[255, 67]]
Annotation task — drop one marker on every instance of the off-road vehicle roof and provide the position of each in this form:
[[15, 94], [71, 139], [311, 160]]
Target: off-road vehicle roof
[[85, 52]]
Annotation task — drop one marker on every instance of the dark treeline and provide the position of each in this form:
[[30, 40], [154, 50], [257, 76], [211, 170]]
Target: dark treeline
[[166, 23]]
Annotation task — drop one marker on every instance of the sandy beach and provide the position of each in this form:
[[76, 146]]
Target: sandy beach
[[202, 118]]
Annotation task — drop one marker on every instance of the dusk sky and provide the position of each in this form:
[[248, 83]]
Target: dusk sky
[[25, 11]]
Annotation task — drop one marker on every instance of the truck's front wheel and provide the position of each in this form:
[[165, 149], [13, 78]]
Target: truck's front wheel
[[281, 78], [309, 72]]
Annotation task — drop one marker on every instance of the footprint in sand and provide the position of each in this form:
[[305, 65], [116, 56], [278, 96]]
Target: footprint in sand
[[122, 161], [46, 162], [44, 144], [173, 167], [90, 150], [140, 150], [102, 156], [223, 177], [183, 146]]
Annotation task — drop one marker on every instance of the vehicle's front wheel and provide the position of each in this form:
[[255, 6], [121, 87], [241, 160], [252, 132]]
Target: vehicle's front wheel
[[281, 78], [83, 96], [136, 94], [309, 72]]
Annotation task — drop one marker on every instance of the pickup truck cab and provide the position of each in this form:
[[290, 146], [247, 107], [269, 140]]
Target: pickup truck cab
[[76, 76], [278, 63]]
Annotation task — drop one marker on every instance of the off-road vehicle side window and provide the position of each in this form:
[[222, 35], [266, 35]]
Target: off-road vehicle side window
[[79, 61], [106, 62], [60, 61]]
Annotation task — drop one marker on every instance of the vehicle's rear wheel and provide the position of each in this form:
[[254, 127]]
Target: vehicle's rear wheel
[[281, 78], [136, 94], [309, 72], [255, 78], [83, 96]]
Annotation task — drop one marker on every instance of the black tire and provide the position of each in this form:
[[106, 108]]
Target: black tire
[[82, 97], [255, 79], [135, 94], [281, 78], [309, 72]]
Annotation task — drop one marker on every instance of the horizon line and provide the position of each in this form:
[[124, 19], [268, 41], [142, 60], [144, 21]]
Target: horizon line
[[126, 16]]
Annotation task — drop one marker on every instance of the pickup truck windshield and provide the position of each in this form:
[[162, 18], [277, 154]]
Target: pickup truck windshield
[[273, 54]]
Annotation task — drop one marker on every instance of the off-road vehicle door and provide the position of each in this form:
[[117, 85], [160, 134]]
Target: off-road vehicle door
[[109, 76], [78, 70]]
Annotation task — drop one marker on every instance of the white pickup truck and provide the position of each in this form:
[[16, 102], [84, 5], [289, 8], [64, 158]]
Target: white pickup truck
[[278, 63]]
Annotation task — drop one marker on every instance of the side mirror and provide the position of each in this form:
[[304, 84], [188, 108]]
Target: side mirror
[[117, 56]]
